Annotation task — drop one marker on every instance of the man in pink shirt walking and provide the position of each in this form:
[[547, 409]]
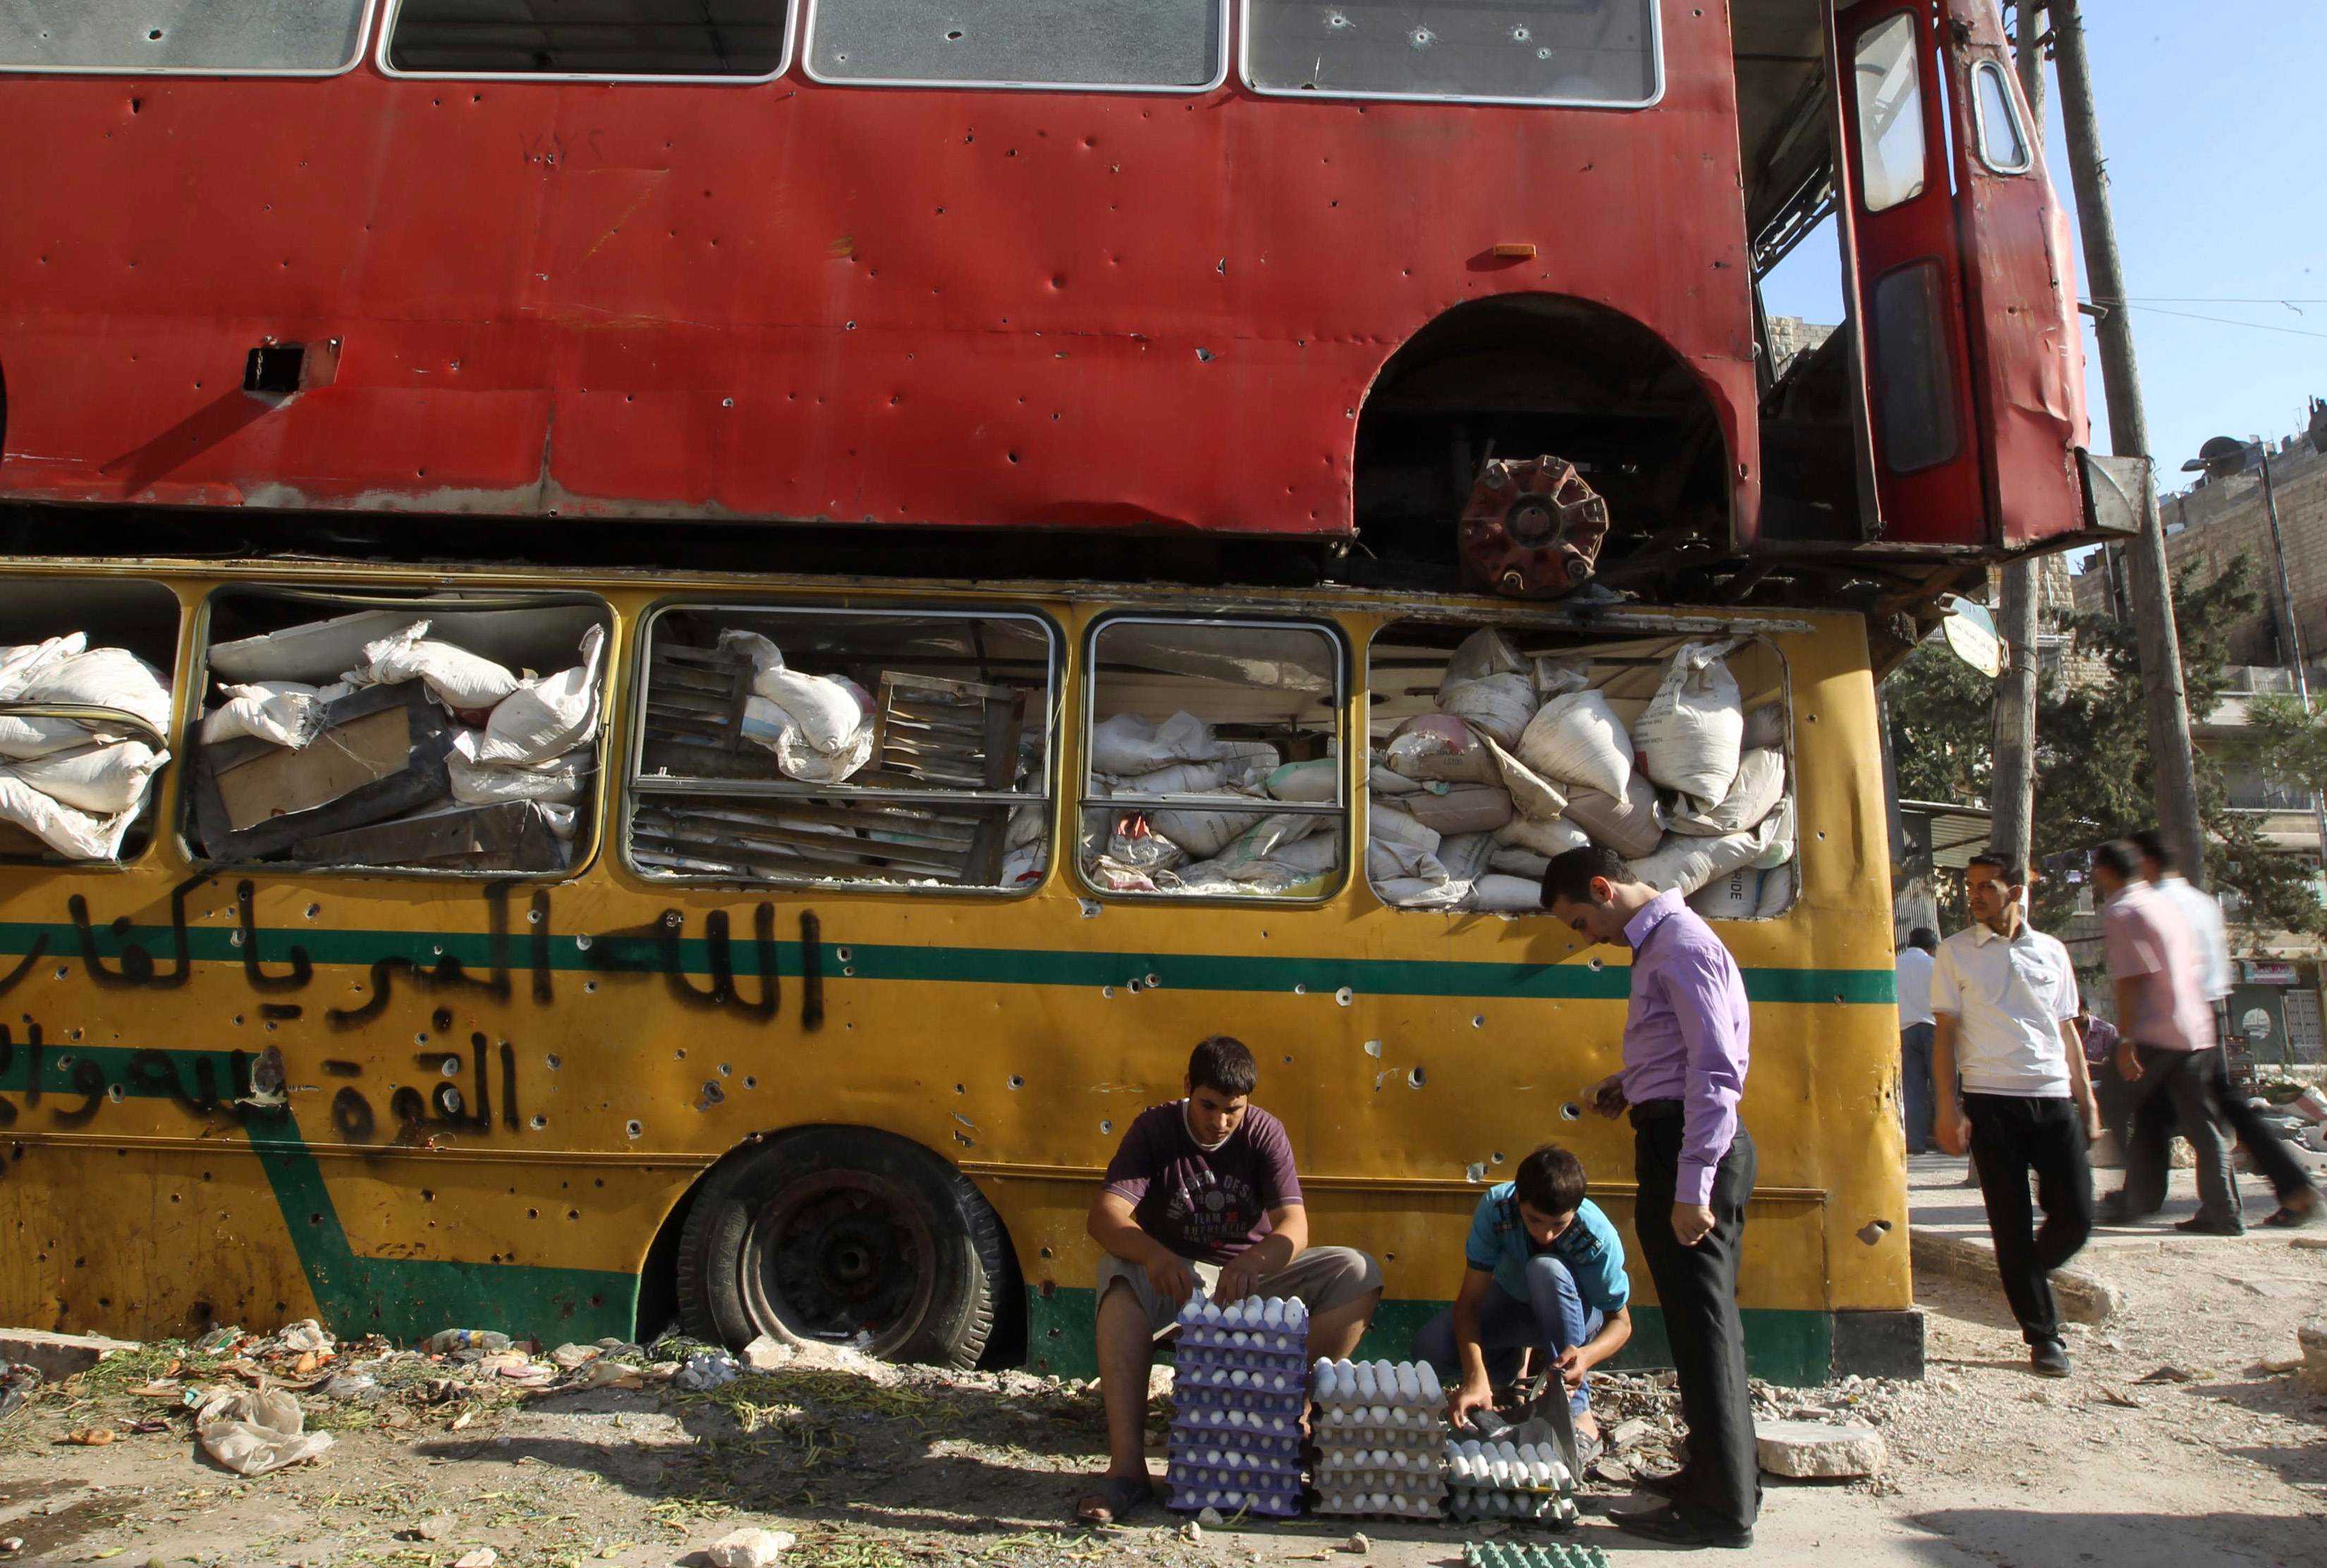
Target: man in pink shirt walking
[[2166, 1047]]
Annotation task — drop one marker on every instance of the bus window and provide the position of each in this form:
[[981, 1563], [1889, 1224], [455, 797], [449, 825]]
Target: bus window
[[1890, 152], [1493, 748], [892, 748], [732, 40], [1214, 767], [85, 715], [2003, 144], [1605, 54], [1162, 45], [248, 38], [429, 733]]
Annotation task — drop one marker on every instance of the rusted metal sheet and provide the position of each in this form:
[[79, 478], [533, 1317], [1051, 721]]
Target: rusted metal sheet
[[806, 302], [1533, 529]]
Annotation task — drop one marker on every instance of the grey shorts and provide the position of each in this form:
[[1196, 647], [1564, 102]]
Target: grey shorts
[[1324, 1278]]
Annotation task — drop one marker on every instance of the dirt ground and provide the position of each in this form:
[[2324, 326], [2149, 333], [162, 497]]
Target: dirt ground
[[2172, 1444]]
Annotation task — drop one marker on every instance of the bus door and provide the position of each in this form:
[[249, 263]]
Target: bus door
[[1958, 273]]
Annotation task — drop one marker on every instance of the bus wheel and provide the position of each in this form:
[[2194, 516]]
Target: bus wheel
[[847, 1235]]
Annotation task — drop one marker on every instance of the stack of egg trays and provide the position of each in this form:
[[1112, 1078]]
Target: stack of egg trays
[[1506, 1481], [1237, 1395], [1519, 1554], [1378, 1446]]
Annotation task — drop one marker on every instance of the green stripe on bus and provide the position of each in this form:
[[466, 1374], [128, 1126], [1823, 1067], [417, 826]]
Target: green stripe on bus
[[639, 958]]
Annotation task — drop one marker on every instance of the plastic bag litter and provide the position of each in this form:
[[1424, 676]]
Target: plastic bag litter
[[557, 781], [1632, 824], [1690, 864], [1777, 894], [1689, 736], [1127, 745], [104, 677], [1461, 809], [1439, 748], [21, 662], [1542, 839], [1764, 726], [97, 780], [254, 1432], [1501, 894], [702, 1373], [1576, 739], [748, 1548], [550, 717], [1203, 834], [1532, 795], [1761, 784], [283, 713], [306, 1334], [1464, 855], [1732, 896], [1315, 782], [76, 835], [465, 682]]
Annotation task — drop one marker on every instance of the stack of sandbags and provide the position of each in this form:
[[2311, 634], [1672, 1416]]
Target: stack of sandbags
[[1227, 840], [535, 744], [77, 784], [819, 726]]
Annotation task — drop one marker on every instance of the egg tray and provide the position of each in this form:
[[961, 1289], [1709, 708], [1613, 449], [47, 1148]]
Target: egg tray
[[1239, 1422], [1417, 1462], [1293, 1342], [1268, 1401], [1271, 1497], [1517, 1554], [1378, 1504], [1433, 1437], [1288, 1381], [1252, 1452], [1380, 1480], [1552, 1510]]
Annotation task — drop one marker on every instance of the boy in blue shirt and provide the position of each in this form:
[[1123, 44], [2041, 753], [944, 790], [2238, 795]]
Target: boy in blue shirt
[[1546, 1272]]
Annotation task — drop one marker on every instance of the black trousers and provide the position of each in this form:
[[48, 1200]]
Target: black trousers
[[2285, 1174], [2011, 1136], [1697, 1288], [2178, 1086]]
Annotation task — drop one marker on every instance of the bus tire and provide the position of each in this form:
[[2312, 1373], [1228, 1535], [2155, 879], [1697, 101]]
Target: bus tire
[[847, 1236]]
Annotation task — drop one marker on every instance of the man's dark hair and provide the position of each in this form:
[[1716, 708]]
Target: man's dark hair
[[2152, 845], [1569, 875], [2119, 856], [2009, 874], [1223, 1063], [1550, 1180], [1925, 937]]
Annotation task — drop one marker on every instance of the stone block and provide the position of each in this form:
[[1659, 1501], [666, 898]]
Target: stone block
[[2313, 1339], [2082, 1295], [1812, 1449], [58, 1356]]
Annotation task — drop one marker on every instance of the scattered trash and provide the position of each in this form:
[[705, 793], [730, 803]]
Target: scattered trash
[[749, 1548], [17, 1386], [347, 1385], [13, 1543], [254, 1433], [306, 1334], [482, 1558], [449, 1341], [218, 1342], [2111, 1395], [1192, 1532], [570, 1357], [1358, 1545], [88, 1436], [606, 1374], [2169, 1373], [702, 1373]]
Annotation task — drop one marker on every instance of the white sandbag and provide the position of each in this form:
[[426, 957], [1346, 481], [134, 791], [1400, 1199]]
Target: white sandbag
[[100, 779], [1779, 847], [558, 781], [1777, 894], [1544, 839], [1764, 726], [1283, 850], [561, 820], [1136, 848], [1577, 740], [1387, 861], [1386, 823], [1497, 704], [1249, 763], [1028, 823], [282, 712], [23, 662], [1735, 896], [1024, 867], [770, 725], [1630, 826], [1690, 864], [1203, 834], [551, 717], [104, 677], [1461, 807], [819, 726], [252, 1433], [76, 835], [1179, 778], [1498, 894], [1464, 855], [1314, 781], [465, 682], [1127, 745], [1532, 795], [1485, 652], [1761, 784], [1418, 893], [1511, 860], [1380, 781], [1439, 748], [1690, 735]]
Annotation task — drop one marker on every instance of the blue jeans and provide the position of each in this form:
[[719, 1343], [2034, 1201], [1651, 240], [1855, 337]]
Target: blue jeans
[[1552, 1318], [1915, 1106]]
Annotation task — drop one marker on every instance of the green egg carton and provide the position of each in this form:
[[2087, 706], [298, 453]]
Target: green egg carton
[[1512, 1554]]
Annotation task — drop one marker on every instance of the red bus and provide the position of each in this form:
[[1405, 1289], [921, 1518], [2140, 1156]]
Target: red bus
[[1183, 270]]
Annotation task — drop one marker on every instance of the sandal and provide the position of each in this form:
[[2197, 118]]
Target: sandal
[[1118, 1500], [2285, 1219]]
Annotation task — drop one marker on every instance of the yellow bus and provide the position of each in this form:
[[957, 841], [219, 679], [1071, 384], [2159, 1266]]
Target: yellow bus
[[391, 1030]]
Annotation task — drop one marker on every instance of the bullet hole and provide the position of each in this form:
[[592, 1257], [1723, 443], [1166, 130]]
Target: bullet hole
[[1595, 965], [1474, 1172], [1874, 1230], [538, 1122], [1496, 1158], [533, 1214], [1132, 985], [1299, 990], [634, 1128], [1104, 1127], [234, 939], [1017, 1082], [590, 987], [1479, 1021], [1090, 908], [1570, 1112], [450, 1067], [1153, 980], [582, 943], [533, 917], [427, 1194], [154, 35], [960, 1089], [1345, 996], [313, 911], [573, 1214], [1205, 355], [678, 1055], [841, 954], [725, 1070], [442, 1018], [953, 35], [60, 971], [1288, 1062], [1414, 1078], [117, 1093], [237, 1020], [1372, 1048], [554, 1061], [1046, 1251], [849, 969], [751, 1081], [1106, 991]]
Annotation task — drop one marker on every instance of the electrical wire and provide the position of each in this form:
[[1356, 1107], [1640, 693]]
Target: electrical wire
[[2222, 321]]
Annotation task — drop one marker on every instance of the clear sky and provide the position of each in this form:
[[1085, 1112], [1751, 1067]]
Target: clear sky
[[2214, 120]]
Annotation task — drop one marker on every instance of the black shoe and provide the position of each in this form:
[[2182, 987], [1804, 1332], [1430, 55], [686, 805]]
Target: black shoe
[[1675, 1528], [1672, 1484], [2049, 1359], [2199, 1225]]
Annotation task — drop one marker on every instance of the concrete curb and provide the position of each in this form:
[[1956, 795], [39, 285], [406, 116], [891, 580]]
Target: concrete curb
[[58, 1356], [2083, 1297]]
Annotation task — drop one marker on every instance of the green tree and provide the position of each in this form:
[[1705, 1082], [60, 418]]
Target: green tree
[[1937, 706]]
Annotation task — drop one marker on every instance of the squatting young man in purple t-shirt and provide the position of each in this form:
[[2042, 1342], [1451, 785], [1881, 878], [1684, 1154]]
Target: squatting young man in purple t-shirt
[[1202, 1195], [1685, 1047]]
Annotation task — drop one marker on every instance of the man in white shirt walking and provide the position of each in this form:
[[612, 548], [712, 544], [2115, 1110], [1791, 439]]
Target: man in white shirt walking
[[2003, 1002], [1914, 986]]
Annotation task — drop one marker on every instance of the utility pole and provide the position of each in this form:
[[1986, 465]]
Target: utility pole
[[2013, 791], [2166, 702]]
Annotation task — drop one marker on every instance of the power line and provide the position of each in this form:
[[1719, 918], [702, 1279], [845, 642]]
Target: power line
[[2212, 299], [2224, 320]]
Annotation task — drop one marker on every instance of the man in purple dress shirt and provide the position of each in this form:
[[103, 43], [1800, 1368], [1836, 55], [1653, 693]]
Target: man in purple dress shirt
[[1685, 1043]]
